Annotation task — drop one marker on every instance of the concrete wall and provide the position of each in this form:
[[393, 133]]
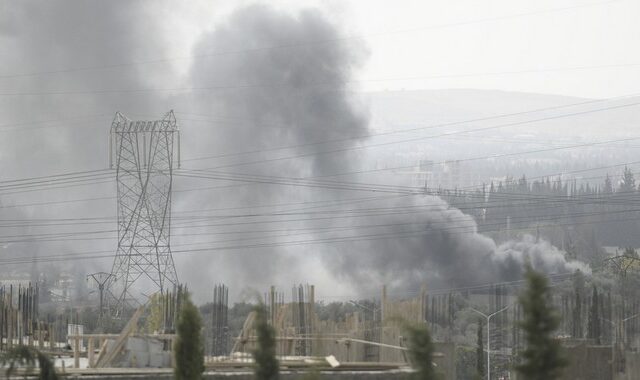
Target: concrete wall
[[447, 364], [631, 368], [588, 362], [391, 375]]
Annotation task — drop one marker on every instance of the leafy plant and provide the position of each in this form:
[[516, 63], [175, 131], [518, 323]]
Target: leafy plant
[[189, 345], [267, 366], [421, 352], [543, 359], [23, 356]]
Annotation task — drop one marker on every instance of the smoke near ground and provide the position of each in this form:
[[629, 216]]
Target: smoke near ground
[[440, 246]]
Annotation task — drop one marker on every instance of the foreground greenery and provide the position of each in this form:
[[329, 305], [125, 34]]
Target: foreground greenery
[[267, 366], [27, 357], [189, 345], [543, 359], [421, 350]]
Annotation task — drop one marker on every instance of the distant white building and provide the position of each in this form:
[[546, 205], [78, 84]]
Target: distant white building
[[433, 175], [16, 279], [616, 251]]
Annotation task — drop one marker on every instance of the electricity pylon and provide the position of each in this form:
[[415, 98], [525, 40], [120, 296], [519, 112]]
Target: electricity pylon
[[144, 158]]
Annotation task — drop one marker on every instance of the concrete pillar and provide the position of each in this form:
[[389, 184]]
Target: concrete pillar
[[312, 319], [90, 352], [423, 303], [383, 305], [10, 328], [173, 353], [40, 336], [76, 352]]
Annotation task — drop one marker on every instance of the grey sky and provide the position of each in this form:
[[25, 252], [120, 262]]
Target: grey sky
[[420, 40]]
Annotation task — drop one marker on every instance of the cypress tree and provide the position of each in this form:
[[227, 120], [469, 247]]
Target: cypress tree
[[543, 358], [594, 317], [267, 367], [577, 317], [421, 351], [189, 345], [23, 356], [480, 352]]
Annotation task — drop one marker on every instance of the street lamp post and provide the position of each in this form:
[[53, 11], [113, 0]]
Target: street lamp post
[[363, 306], [373, 311], [614, 343], [618, 330], [488, 318], [624, 331], [622, 322]]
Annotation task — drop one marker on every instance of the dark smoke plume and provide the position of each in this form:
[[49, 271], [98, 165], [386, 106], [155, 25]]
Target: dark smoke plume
[[284, 89], [440, 246], [284, 80]]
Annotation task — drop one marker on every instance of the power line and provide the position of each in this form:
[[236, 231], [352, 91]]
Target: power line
[[544, 176], [385, 211], [511, 124], [54, 178], [440, 125], [495, 197], [372, 237]]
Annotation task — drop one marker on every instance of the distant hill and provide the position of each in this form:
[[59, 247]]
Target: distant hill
[[394, 109]]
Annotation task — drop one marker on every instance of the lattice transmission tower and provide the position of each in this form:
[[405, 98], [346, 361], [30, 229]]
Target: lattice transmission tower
[[144, 159]]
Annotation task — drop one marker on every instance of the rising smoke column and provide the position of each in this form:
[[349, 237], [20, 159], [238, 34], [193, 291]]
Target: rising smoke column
[[287, 84], [283, 82]]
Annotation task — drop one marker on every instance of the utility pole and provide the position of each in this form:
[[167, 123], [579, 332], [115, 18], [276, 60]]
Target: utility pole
[[372, 334], [102, 279], [620, 331], [488, 318]]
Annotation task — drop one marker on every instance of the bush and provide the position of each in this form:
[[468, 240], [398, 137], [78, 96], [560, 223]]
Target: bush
[[23, 356], [189, 345], [543, 359], [421, 352], [267, 367]]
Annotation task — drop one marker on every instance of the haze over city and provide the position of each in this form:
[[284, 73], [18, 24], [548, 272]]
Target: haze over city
[[343, 164]]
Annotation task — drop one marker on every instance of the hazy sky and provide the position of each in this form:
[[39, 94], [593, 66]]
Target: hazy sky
[[448, 44]]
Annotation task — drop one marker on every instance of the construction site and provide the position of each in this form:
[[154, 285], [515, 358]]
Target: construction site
[[129, 328], [319, 189]]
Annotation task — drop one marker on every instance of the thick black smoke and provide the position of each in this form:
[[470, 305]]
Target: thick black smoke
[[287, 88], [439, 246], [262, 78]]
